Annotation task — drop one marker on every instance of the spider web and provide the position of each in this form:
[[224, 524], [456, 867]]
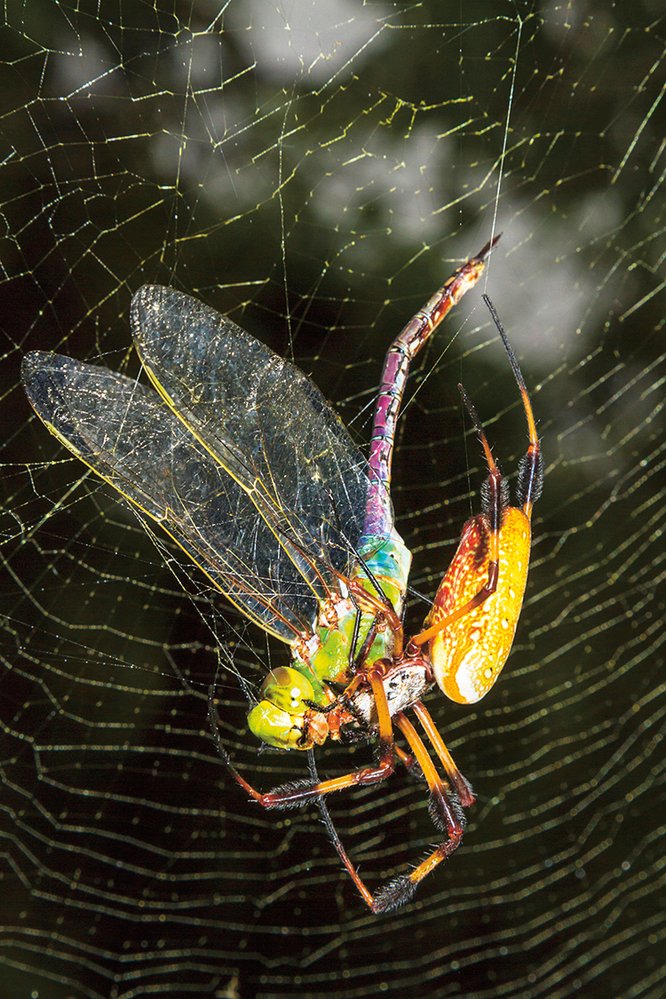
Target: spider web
[[315, 169]]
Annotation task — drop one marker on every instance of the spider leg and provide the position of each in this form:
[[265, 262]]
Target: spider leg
[[296, 793], [444, 807], [462, 786], [406, 759], [494, 502], [223, 754], [401, 889], [495, 493], [445, 811], [323, 809], [293, 794], [332, 834], [530, 469]]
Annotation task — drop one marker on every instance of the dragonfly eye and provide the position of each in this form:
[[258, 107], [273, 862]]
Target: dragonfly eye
[[286, 688], [278, 718]]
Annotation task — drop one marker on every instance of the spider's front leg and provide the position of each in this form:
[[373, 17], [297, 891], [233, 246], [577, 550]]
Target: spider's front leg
[[445, 810], [445, 807], [294, 794]]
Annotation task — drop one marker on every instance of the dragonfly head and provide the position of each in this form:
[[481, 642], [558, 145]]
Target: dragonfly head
[[280, 717]]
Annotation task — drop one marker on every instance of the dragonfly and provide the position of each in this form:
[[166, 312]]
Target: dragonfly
[[239, 458]]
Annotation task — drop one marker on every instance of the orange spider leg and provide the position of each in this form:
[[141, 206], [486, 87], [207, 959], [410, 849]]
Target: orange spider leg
[[406, 759], [441, 804], [459, 782], [296, 793], [494, 486], [445, 812], [530, 470]]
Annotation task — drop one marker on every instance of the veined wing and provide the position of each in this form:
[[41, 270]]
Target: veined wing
[[261, 418], [125, 433]]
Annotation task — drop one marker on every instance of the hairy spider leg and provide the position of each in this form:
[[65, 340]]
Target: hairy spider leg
[[461, 785], [294, 794], [446, 813], [530, 470], [493, 511], [445, 809]]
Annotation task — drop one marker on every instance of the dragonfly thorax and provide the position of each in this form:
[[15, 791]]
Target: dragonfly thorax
[[351, 633]]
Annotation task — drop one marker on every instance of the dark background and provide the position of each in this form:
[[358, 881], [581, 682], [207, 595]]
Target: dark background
[[316, 170]]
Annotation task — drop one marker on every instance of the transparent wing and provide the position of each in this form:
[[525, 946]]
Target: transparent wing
[[261, 418], [125, 433]]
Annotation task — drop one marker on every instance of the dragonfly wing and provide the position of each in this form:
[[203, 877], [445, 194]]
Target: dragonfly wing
[[261, 417], [123, 431]]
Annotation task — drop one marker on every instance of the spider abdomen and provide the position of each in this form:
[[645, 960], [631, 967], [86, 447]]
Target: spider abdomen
[[468, 654]]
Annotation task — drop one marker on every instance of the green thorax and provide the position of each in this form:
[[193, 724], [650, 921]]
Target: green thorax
[[288, 693], [384, 564]]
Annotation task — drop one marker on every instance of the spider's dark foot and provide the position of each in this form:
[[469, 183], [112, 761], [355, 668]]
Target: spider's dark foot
[[394, 894], [447, 813], [465, 792], [292, 794]]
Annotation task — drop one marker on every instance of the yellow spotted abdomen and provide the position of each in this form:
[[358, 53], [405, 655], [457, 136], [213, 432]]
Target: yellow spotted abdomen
[[467, 656]]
